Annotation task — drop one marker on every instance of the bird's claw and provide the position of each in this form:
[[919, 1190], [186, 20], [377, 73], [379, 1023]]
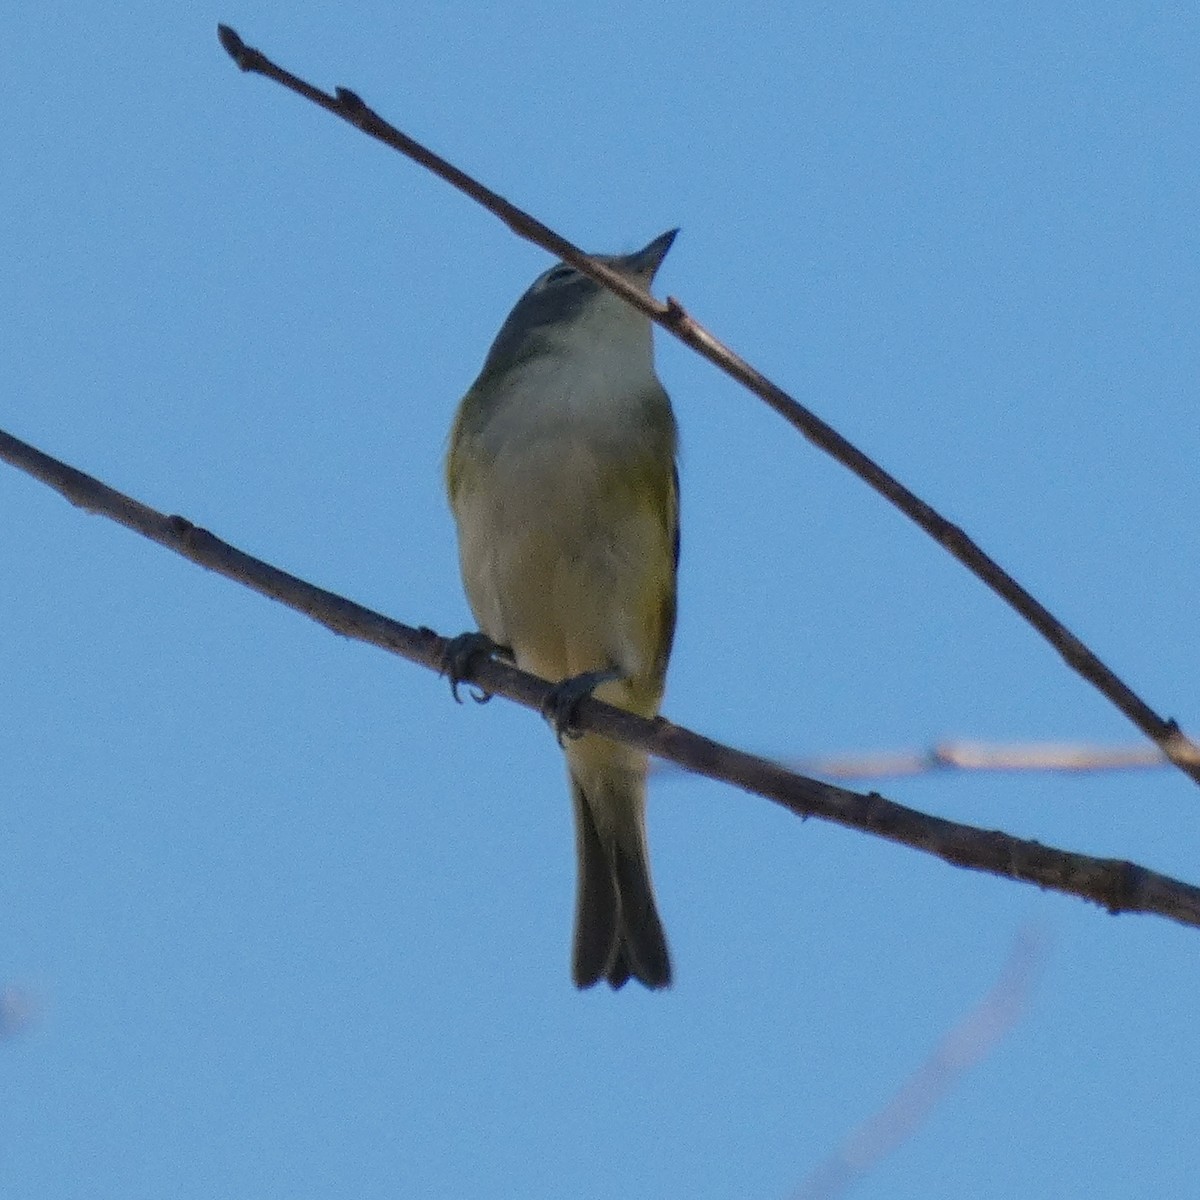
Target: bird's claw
[[457, 658], [564, 698]]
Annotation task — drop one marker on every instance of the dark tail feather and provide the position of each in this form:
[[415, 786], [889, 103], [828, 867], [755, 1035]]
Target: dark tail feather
[[618, 934], [642, 950], [595, 900]]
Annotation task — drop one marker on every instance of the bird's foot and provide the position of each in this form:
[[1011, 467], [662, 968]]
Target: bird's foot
[[460, 653], [563, 699]]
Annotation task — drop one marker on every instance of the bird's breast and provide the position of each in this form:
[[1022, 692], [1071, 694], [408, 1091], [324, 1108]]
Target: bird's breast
[[563, 546]]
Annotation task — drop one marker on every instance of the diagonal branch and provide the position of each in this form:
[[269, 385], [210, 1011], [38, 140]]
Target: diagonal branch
[[1118, 885], [344, 103]]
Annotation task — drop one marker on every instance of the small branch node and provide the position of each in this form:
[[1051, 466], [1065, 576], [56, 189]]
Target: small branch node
[[1126, 895], [676, 313], [351, 104]]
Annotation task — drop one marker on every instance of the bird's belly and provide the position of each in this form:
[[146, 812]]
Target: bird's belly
[[559, 565]]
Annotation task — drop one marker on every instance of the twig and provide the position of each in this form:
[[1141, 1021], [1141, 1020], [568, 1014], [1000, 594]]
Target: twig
[[1118, 885], [961, 1048], [671, 316]]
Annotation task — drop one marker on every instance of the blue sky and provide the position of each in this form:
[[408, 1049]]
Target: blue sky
[[297, 925]]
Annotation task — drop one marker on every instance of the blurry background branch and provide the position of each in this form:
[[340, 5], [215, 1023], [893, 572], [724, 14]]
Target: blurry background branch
[[1183, 752], [18, 1011], [1118, 885], [967, 1043], [953, 756]]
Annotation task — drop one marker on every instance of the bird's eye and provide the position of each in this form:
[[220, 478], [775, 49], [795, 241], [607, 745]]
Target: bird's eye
[[558, 275]]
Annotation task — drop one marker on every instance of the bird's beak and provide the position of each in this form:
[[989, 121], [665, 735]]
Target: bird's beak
[[645, 262]]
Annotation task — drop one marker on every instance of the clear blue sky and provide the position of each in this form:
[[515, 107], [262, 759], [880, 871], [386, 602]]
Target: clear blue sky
[[297, 925]]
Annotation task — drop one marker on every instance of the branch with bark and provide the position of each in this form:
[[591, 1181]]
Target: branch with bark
[[672, 316], [1118, 885]]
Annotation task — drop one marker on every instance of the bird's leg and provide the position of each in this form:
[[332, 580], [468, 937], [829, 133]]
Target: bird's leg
[[563, 698], [460, 653]]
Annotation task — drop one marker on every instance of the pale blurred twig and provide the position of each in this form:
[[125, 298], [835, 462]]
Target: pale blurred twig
[[1118, 885], [672, 317], [949, 757], [979, 756]]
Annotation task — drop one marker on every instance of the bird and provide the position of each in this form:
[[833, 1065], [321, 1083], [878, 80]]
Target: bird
[[563, 481]]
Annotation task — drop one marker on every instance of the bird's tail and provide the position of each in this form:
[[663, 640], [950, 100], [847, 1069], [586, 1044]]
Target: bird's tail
[[618, 933]]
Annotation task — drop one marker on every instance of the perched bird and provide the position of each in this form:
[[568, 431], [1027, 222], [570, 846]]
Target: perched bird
[[562, 479]]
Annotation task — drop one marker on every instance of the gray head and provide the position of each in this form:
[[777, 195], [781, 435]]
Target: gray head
[[563, 298]]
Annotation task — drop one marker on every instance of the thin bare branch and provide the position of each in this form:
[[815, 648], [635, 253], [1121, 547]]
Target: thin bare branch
[[672, 317], [1118, 885], [967, 1043]]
